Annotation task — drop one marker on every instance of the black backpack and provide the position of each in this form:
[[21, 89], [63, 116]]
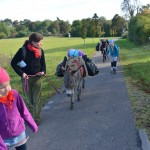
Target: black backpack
[[91, 66], [97, 47], [59, 72]]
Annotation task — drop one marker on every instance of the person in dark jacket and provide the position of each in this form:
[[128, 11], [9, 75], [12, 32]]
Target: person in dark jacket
[[29, 64], [13, 114], [104, 44]]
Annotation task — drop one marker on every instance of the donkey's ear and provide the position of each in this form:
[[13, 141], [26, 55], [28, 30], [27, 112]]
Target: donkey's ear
[[63, 68]]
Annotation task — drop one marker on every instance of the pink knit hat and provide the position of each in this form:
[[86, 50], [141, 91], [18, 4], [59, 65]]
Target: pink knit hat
[[4, 77]]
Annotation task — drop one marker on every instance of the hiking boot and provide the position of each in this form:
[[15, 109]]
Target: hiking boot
[[114, 70], [111, 71]]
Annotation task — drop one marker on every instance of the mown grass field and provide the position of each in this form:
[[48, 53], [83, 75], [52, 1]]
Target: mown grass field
[[135, 61]]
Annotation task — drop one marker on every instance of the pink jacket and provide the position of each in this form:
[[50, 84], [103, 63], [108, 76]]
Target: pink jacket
[[2, 144], [12, 120]]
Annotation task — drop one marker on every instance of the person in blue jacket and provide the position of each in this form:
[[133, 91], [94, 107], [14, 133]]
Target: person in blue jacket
[[114, 54]]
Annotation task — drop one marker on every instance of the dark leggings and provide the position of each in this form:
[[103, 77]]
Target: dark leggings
[[22, 147], [113, 64]]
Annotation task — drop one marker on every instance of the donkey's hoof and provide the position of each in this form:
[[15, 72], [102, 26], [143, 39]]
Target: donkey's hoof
[[78, 99], [71, 107], [68, 95]]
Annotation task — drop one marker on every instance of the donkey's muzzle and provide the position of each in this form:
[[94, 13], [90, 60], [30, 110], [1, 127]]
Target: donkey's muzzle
[[69, 92]]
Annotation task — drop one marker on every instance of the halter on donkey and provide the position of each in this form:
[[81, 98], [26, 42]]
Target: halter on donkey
[[74, 78]]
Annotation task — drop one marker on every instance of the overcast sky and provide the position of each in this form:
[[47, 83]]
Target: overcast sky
[[63, 9]]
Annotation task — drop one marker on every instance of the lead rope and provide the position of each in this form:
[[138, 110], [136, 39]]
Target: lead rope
[[52, 84], [26, 86], [25, 82]]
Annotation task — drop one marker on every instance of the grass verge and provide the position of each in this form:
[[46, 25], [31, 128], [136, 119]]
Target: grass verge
[[135, 61]]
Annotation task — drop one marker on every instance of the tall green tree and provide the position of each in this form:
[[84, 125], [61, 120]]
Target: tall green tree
[[54, 28], [83, 30], [130, 8], [92, 30], [118, 25], [145, 10], [139, 29], [64, 27], [76, 28], [95, 18]]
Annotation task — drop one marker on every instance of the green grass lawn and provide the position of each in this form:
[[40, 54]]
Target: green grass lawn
[[55, 49]]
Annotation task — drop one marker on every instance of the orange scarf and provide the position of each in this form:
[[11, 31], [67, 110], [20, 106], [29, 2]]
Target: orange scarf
[[8, 99], [35, 50]]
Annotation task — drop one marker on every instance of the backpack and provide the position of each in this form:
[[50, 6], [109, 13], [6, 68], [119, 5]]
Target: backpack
[[59, 72], [97, 47], [24, 52], [22, 63], [91, 67]]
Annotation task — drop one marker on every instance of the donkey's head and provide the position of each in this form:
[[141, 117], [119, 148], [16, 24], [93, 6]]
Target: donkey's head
[[69, 82]]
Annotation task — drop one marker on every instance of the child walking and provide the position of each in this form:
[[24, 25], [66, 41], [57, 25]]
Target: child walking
[[13, 113], [2, 144], [114, 54]]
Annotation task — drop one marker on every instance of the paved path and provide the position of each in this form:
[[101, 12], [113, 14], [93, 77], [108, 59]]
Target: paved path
[[102, 120]]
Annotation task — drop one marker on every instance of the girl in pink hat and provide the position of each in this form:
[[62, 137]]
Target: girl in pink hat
[[2, 144], [13, 113]]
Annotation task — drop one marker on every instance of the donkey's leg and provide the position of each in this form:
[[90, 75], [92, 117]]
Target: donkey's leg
[[79, 89], [83, 83], [72, 101]]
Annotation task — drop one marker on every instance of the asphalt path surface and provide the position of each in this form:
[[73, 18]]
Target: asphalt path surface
[[102, 120]]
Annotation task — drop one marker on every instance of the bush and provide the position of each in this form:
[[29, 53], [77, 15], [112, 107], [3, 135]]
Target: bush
[[139, 29], [125, 35], [2, 35], [22, 34]]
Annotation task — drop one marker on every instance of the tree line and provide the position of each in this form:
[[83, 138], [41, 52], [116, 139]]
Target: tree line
[[135, 25], [94, 27]]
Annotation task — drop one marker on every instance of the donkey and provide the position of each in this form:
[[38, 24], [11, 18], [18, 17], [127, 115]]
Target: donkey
[[74, 78]]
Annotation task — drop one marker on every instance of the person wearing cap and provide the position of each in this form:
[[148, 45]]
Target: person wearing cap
[[103, 44], [13, 114], [29, 64], [114, 54]]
